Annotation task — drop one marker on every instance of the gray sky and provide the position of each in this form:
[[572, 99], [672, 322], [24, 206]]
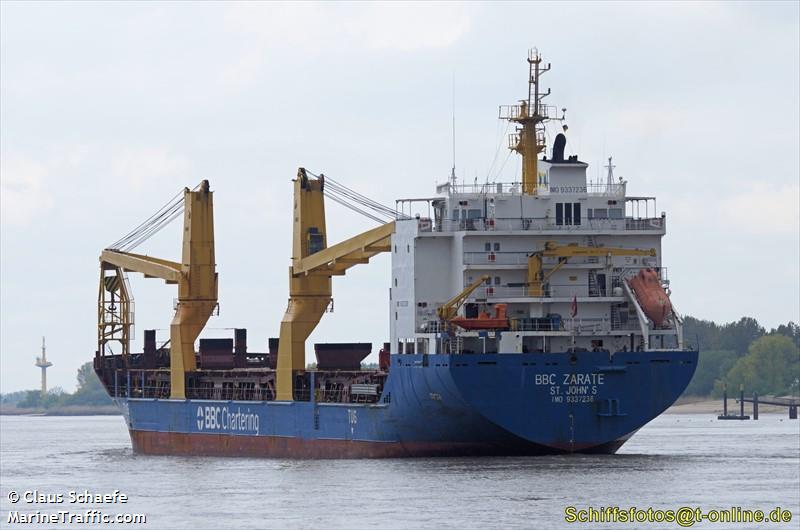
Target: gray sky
[[108, 109]]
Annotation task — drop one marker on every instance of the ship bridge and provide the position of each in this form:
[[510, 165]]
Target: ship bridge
[[569, 204]]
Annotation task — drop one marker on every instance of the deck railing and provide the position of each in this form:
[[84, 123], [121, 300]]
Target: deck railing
[[155, 384], [558, 290], [549, 224], [515, 188], [488, 257]]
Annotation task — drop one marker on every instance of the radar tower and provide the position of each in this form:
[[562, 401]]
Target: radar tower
[[44, 364]]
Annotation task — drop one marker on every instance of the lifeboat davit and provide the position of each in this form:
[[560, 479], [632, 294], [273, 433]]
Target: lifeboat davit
[[654, 301], [484, 320]]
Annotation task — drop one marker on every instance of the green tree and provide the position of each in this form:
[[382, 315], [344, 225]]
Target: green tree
[[790, 330], [712, 365], [34, 400], [771, 366], [86, 377], [735, 336], [702, 334], [738, 336], [14, 397], [90, 390]]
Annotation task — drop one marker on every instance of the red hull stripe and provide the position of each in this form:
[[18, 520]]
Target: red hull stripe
[[166, 443]]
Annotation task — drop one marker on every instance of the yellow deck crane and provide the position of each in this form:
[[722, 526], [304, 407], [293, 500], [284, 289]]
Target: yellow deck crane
[[313, 266], [449, 309], [195, 276], [537, 277]]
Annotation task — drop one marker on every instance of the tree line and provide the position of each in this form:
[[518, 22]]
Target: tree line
[[90, 392], [744, 353]]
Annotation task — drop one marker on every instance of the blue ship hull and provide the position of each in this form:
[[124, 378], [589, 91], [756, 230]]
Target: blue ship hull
[[436, 405]]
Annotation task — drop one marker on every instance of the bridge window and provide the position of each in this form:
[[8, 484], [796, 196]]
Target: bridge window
[[615, 213], [497, 247], [487, 247], [568, 213]]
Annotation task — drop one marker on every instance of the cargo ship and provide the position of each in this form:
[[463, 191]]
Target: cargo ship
[[528, 317]]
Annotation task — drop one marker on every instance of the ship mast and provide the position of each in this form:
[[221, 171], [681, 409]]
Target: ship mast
[[610, 178], [530, 116]]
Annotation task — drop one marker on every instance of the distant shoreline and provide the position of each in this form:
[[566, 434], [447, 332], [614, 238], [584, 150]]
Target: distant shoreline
[[685, 405], [704, 405], [71, 410]]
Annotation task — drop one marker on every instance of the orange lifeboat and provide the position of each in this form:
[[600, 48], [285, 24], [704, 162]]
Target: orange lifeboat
[[654, 301], [484, 320]]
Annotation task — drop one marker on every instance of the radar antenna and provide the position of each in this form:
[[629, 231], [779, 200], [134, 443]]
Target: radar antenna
[[610, 179]]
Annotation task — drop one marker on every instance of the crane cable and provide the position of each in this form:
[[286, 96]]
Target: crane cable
[[153, 224], [355, 209], [334, 190], [357, 202], [357, 197]]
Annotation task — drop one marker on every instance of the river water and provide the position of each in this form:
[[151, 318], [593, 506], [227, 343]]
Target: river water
[[675, 461]]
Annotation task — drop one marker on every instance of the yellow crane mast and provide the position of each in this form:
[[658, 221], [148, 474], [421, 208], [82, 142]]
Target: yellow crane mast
[[530, 117], [195, 276], [313, 266], [449, 309], [537, 277]]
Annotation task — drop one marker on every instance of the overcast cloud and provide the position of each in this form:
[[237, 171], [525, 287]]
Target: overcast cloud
[[108, 109]]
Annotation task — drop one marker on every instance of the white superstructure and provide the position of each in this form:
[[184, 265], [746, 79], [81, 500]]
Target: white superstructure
[[493, 229]]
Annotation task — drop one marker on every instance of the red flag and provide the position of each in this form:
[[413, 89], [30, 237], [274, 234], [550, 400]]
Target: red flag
[[574, 306]]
